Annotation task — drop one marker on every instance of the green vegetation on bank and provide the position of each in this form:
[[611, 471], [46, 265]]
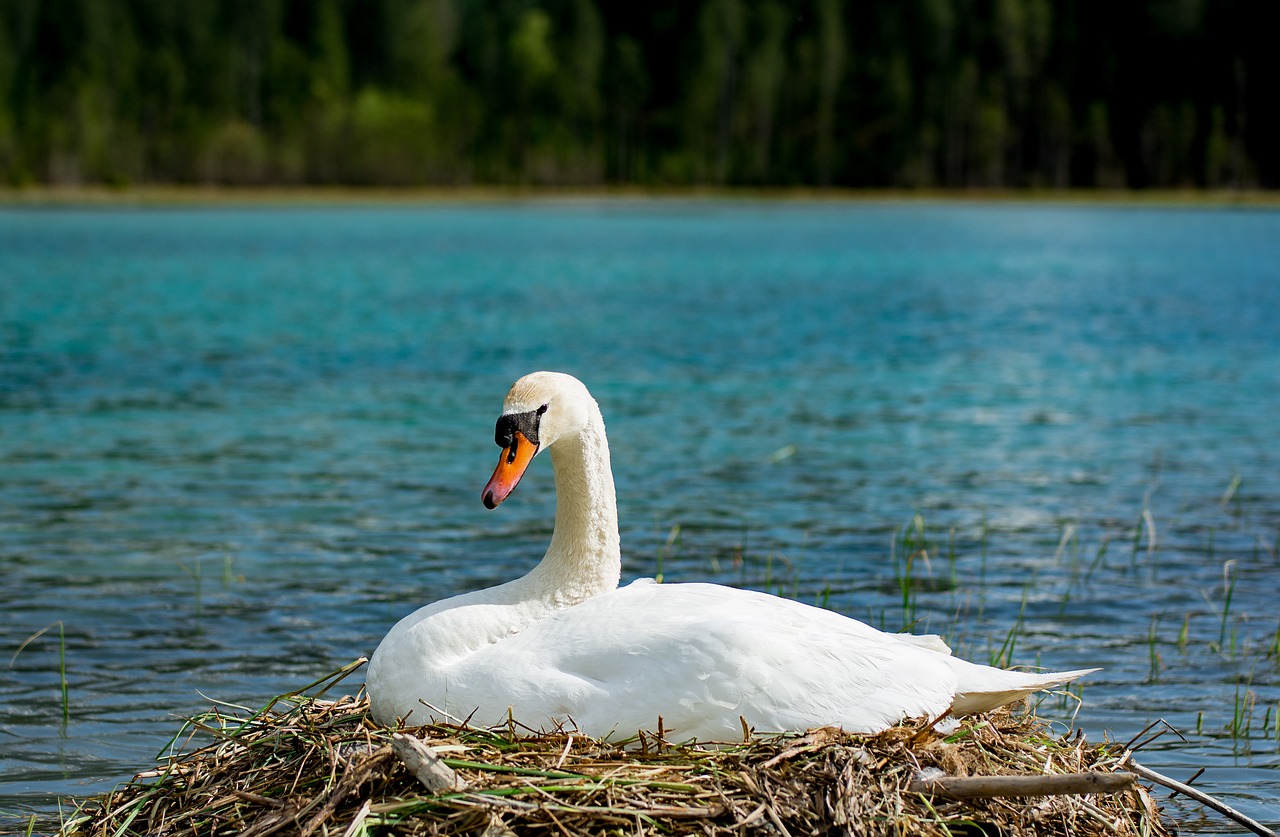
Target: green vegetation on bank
[[925, 94]]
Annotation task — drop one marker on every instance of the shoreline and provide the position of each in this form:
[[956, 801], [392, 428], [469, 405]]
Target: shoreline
[[197, 195]]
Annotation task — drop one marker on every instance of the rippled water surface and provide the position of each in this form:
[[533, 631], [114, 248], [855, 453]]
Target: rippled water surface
[[237, 444]]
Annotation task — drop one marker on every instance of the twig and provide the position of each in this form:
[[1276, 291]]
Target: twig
[[777, 820], [568, 743], [1203, 798], [425, 765], [1194, 776], [258, 798], [1158, 721], [358, 820], [980, 787]]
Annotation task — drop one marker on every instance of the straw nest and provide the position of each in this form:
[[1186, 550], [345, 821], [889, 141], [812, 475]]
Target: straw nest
[[306, 765]]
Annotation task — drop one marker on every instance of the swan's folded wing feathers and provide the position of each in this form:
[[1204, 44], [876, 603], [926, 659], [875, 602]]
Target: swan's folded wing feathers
[[690, 652], [932, 642]]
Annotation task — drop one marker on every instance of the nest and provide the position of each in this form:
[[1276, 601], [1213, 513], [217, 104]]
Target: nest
[[306, 765]]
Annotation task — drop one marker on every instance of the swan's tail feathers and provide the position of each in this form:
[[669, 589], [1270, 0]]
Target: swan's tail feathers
[[982, 688]]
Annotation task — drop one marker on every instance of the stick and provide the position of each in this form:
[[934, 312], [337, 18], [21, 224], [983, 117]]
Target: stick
[[425, 765], [1203, 798], [358, 820], [1190, 780], [980, 787]]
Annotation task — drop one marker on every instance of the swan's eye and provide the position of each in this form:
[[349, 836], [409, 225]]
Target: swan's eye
[[542, 409]]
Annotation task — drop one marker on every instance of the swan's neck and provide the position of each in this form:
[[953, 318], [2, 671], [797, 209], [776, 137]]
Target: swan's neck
[[584, 558], [420, 653]]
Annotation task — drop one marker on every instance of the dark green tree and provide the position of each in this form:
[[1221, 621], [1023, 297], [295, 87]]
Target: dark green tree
[[921, 93]]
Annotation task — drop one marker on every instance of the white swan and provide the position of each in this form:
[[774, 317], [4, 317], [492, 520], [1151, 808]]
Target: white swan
[[565, 644]]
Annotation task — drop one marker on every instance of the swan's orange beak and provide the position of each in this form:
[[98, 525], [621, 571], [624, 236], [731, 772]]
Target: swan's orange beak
[[511, 467]]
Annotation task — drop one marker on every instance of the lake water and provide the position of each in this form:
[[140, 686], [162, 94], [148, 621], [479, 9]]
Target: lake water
[[236, 444]]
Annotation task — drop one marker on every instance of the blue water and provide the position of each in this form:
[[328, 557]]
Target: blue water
[[236, 444]]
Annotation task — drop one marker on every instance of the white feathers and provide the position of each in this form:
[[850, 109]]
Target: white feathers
[[565, 645]]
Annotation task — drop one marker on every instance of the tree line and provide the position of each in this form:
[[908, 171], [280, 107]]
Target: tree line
[[907, 94]]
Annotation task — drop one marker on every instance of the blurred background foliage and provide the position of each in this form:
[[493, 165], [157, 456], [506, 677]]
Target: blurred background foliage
[[910, 94]]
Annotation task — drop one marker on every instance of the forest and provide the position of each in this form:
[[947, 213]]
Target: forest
[[915, 94]]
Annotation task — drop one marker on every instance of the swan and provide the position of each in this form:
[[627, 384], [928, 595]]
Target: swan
[[565, 645]]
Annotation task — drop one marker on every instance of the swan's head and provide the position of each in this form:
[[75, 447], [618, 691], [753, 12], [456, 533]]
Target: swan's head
[[540, 408]]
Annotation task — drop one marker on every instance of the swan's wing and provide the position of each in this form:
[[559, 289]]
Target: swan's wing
[[701, 656]]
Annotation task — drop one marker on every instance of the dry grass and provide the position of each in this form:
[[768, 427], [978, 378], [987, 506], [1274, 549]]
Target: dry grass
[[306, 765]]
